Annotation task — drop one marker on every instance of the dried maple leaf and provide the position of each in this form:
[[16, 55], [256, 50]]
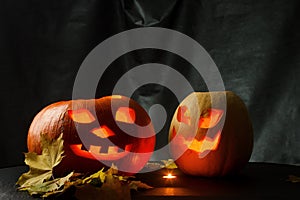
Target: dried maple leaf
[[168, 164], [294, 179], [135, 185], [113, 187], [41, 166], [50, 187], [39, 179], [98, 175]]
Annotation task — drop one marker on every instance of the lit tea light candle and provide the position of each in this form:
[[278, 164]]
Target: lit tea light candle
[[169, 176]]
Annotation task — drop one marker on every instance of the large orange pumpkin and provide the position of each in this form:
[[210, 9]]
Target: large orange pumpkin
[[211, 139], [95, 133]]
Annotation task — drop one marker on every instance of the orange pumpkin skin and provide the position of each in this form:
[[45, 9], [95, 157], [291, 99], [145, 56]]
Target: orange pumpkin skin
[[57, 118], [230, 146]]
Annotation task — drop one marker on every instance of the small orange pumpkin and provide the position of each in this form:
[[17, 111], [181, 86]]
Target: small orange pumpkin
[[98, 122], [211, 139]]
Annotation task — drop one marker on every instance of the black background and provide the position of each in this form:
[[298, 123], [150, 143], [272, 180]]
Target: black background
[[255, 45]]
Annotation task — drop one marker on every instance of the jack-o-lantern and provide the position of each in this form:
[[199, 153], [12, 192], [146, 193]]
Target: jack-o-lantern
[[211, 134], [93, 134]]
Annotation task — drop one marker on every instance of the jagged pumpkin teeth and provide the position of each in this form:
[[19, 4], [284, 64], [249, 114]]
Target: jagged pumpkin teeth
[[94, 149], [211, 134], [204, 145], [112, 150], [92, 138]]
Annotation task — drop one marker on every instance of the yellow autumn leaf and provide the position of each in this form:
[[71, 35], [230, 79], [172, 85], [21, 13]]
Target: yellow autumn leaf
[[169, 164], [135, 185], [39, 179], [48, 187], [51, 156], [294, 179], [33, 177], [41, 166], [98, 175]]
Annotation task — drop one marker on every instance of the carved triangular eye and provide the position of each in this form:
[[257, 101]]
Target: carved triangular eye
[[125, 114], [183, 115], [83, 116], [210, 118], [103, 132]]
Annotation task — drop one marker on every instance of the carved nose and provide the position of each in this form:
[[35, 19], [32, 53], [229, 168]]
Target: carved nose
[[103, 132]]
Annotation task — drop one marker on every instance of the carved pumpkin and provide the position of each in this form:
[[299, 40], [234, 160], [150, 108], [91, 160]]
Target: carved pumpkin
[[99, 123], [211, 139]]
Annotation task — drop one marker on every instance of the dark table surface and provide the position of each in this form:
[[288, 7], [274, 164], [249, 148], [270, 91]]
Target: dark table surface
[[255, 181]]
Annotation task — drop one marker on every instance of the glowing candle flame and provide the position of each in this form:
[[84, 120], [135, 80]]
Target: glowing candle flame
[[169, 176]]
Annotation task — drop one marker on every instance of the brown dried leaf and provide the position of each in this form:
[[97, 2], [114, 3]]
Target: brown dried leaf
[[41, 166], [294, 179]]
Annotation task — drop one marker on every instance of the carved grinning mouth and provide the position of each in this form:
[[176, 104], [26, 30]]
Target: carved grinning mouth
[[200, 146], [204, 145], [105, 151], [113, 152]]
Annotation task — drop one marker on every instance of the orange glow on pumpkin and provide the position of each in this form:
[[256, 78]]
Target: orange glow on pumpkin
[[83, 116], [88, 144], [125, 114], [210, 118], [183, 115], [206, 144], [103, 132]]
